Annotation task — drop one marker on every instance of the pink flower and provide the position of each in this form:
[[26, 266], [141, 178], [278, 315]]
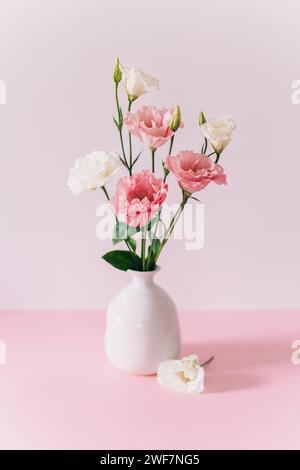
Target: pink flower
[[138, 197], [194, 171], [151, 125]]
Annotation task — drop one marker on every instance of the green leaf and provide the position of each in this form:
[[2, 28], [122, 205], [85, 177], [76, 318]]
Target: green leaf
[[132, 243], [153, 221], [123, 161], [153, 249], [133, 230], [122, 232], [136, 159], [123, 260], [152, 225], [116, 123], [155, 246]]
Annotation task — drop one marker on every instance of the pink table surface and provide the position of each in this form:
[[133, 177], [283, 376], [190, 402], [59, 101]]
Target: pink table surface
[[57, 391]]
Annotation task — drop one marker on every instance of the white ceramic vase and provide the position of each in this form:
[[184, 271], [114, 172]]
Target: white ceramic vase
[[142, 327]]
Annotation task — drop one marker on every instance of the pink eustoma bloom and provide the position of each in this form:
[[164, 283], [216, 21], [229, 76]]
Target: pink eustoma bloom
[[138, 198], [151, 125], [194, 171]]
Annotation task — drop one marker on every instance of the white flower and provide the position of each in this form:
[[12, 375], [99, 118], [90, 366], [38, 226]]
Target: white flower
[[185, 375], [137, 82], [93, 171], [218, 132]]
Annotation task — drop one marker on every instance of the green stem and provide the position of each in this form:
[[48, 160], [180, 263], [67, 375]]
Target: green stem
[[117, 221], [130, 142], [143, 248], [153, 159], [172, 224], [170, 151], [117, 100], [207, 362], [171, 144], [123, 149], [218, 157], [105, 192], [120, 125], [153, 238]]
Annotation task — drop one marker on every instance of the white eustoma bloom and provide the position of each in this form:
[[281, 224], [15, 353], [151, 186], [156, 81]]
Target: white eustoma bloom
[[93, 171], [185, 375], [219, 131], [137, 82]]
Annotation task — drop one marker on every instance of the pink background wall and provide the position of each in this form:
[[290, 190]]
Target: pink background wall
[[227, 56]]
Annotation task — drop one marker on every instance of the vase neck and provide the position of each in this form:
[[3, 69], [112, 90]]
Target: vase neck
[[143, 278]]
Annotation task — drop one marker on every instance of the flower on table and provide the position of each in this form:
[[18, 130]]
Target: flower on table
[[194, 171], [219, 131], [186, 375], [93, 171], [151, 125], [137, 82], [138, 198]]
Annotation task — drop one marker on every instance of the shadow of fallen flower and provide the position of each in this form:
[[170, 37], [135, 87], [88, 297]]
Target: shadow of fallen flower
[[238, 365]]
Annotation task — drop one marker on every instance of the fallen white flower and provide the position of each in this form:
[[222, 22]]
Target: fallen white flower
[[186, 375]]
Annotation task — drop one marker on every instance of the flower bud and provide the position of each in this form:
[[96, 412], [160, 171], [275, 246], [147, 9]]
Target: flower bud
[[117, 72], [202, 119], [175, 119]]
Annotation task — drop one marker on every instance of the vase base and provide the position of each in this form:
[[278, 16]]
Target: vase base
[[135, 370]]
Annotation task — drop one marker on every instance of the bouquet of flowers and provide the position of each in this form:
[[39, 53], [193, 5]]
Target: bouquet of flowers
[[139, 196]]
